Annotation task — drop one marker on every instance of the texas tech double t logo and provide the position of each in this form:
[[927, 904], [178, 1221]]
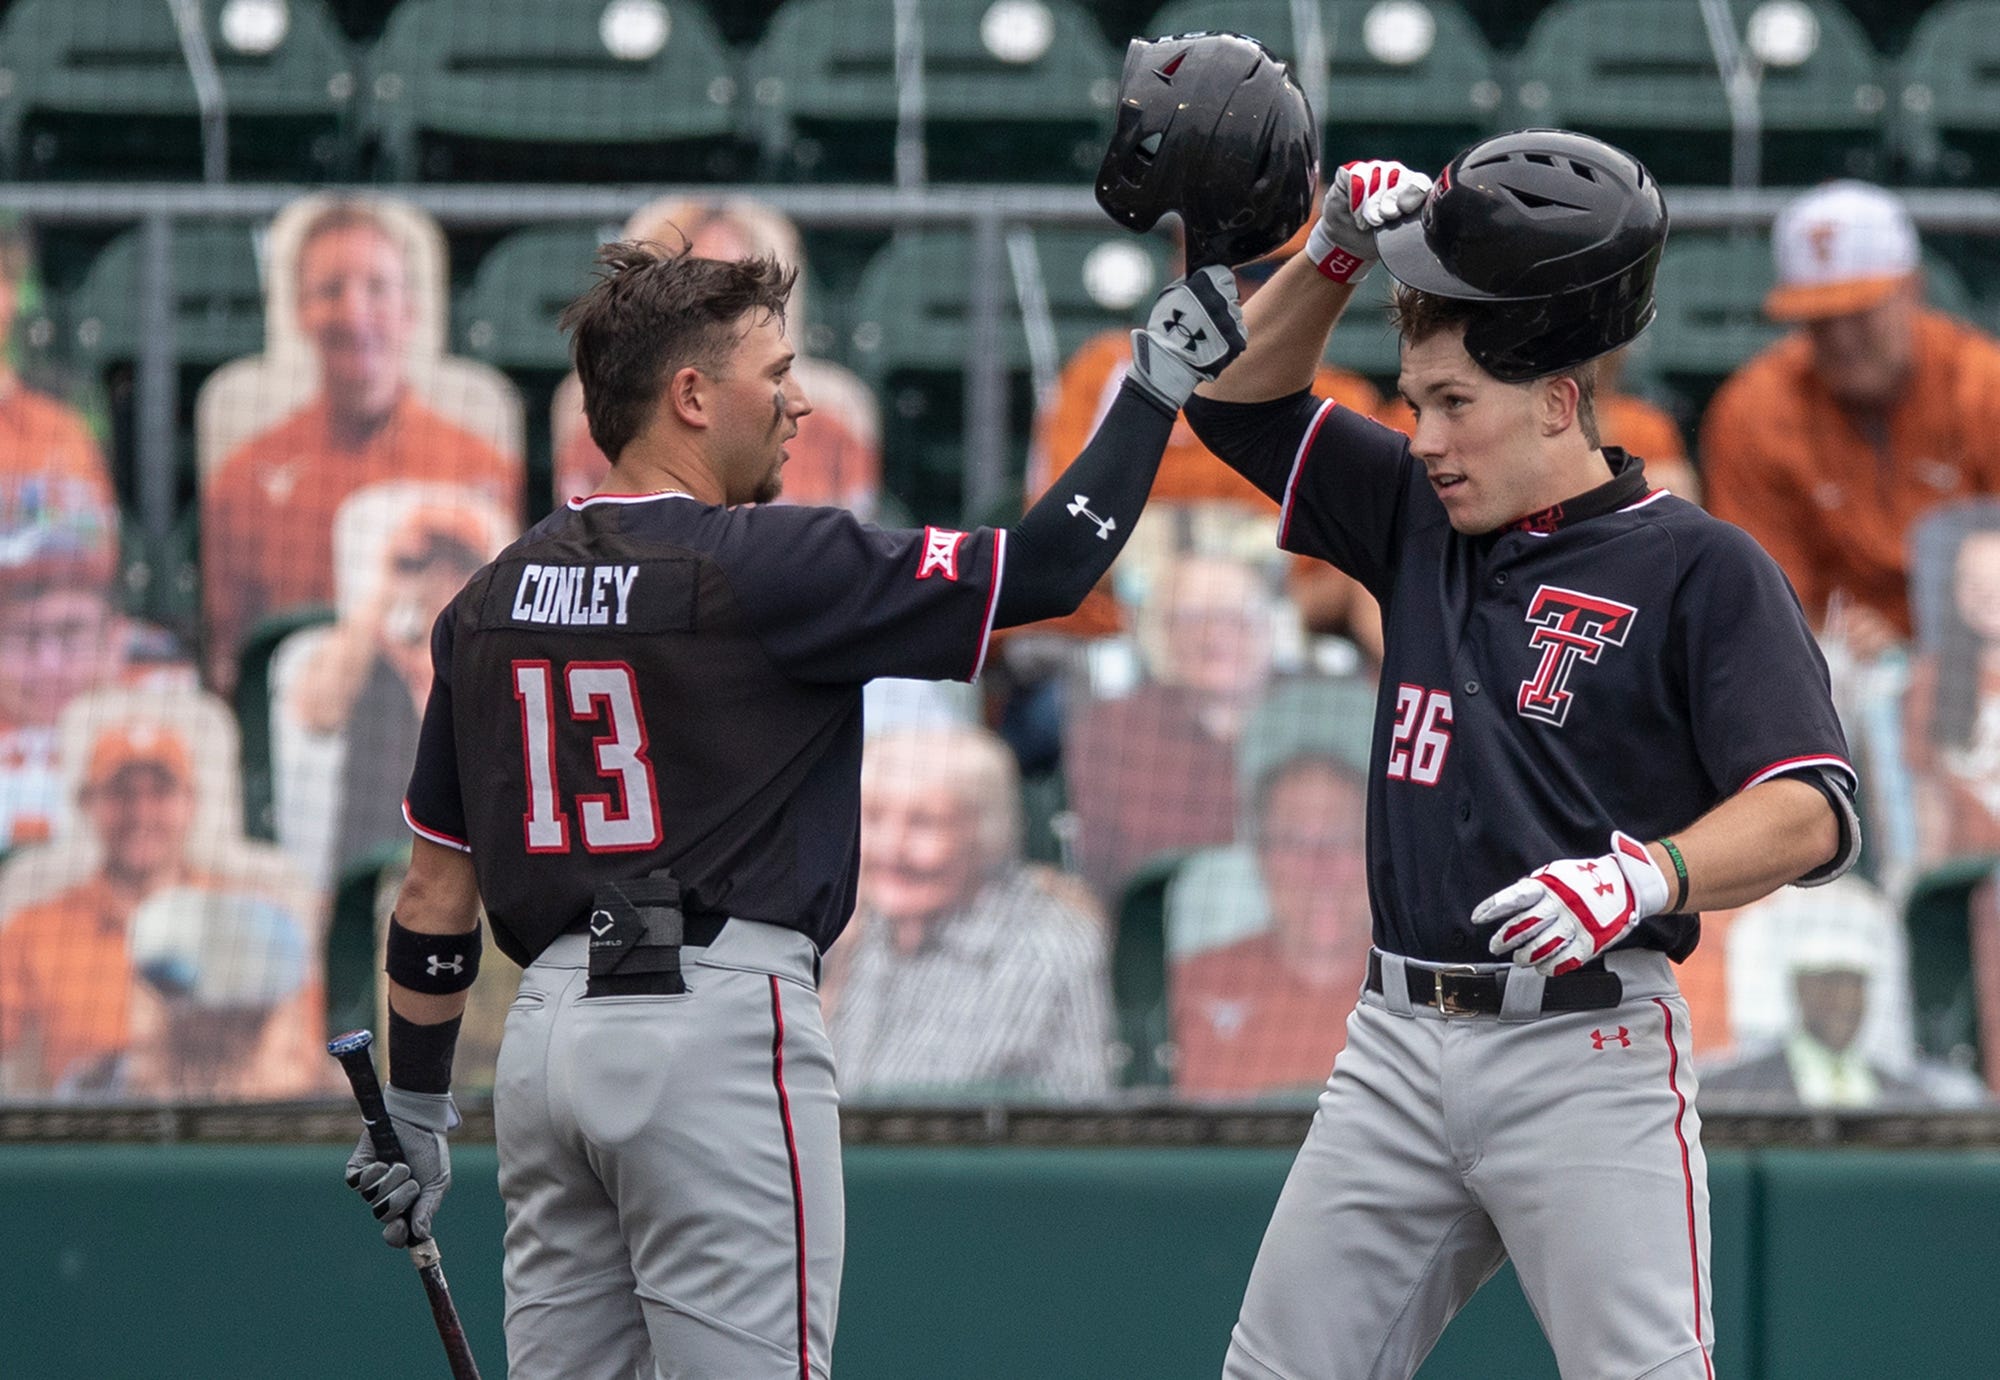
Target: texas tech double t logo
[[1569, 627]]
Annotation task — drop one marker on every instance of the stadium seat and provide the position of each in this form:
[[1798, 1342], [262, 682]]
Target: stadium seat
[[253, 711], [552, 90], [1364, 342], [352, 952], [1139, 973], [218, 298], [508, 317], [1012, 90], [1642, 74], [1937, 916], [1949, 91], [1412, 80], [911, 317], [99, 89]]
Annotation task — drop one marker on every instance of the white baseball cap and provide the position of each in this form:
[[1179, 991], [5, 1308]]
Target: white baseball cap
[[1841, 248]]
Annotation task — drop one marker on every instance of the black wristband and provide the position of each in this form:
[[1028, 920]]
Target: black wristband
[[435, 964], [1680, 876], [420, 1055]]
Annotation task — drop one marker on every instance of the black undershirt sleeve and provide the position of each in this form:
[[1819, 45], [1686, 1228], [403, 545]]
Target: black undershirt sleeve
[[1055, 556], [1258, 440]]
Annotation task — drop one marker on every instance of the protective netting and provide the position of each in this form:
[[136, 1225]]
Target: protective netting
[[279, 279]]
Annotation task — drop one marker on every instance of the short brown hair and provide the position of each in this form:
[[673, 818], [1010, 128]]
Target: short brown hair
[[1419, 315], [652, 312]]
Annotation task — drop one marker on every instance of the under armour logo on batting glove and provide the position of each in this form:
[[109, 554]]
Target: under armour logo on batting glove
[[1558, 918], [1195, 329], [1364, 198]]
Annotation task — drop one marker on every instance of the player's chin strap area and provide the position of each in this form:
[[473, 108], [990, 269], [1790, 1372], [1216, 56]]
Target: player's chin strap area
[[1065, 543]]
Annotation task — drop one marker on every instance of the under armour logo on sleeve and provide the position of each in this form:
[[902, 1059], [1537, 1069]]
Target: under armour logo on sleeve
[[436, 966], [1081, 508]]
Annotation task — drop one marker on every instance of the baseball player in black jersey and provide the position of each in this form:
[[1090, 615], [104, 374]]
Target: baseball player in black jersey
[[642, 755], [1601, 713]]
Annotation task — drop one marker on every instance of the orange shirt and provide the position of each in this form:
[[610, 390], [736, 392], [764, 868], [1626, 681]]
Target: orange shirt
[[65, 981], [66, 992], [1189, 471], [267, 513], [41, 436], [1244, 1022], [1831, 503]]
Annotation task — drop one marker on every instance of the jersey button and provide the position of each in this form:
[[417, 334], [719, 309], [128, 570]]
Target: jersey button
[[1472, 687], [1464, 813], [1501, 578]]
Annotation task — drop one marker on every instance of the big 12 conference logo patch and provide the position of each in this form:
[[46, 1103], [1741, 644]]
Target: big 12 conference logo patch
[[1569, 627]]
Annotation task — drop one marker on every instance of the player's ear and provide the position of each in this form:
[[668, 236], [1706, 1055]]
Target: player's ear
[[687, 394], [1555, 403]]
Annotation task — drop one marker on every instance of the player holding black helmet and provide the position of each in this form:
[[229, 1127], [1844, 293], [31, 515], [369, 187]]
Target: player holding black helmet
[[1602, 711]]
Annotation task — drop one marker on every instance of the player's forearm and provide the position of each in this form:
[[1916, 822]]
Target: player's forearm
[[1067, 541], [439, 895], [1752, 843], [1287, 323]]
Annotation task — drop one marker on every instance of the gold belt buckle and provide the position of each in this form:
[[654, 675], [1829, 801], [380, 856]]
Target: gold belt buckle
[[1446, 1004]]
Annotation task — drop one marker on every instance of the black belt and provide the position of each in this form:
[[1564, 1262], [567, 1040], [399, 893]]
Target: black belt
[[1470, 992]]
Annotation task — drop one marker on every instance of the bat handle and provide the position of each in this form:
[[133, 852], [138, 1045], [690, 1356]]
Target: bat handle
[[352, 1050]]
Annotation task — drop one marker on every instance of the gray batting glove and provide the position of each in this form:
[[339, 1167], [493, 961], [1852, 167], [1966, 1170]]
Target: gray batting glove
[[1364, 197], [1195, 329], [405, 1196]]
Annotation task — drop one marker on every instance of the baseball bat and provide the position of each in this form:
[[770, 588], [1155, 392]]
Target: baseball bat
[[351, 1050]]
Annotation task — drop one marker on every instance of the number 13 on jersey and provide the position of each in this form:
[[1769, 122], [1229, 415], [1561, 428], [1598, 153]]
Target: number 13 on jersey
[[597, 691]]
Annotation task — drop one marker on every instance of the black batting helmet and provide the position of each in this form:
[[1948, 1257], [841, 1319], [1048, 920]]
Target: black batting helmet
[[1559, 231], [1211, 126]]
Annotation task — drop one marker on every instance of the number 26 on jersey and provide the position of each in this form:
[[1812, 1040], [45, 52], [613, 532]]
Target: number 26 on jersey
[[1422, 737], [623, 819]]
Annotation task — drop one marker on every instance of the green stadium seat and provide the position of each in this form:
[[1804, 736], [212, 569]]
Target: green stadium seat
[[353, 960], [1364, 342], [1711, 308], [218, 298], [253, 711], [1641, 73], [1413, 80], [553, 90], [1949, 87], [911, 317], [1013, 90], [508, 317], [97, 89], [1139, 975], [1937, 916]]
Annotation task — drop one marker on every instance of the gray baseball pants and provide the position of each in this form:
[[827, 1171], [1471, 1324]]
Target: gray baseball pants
[[1444, 1145], [670, 1167]]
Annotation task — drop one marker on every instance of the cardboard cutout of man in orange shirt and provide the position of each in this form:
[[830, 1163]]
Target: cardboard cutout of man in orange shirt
[[267, 513], [1831, 444]]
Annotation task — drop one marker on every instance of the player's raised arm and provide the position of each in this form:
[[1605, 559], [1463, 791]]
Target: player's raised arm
[[1292, 317], [1064, 545]]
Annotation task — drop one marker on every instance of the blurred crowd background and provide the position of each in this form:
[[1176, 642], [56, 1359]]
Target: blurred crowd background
[[278, 285]]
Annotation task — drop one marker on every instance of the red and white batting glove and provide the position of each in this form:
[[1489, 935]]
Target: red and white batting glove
[[1364, 198], [1561, 916]]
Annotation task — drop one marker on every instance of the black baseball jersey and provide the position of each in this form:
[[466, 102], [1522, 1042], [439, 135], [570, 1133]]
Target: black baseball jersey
[[646, 682], [1620, 661]]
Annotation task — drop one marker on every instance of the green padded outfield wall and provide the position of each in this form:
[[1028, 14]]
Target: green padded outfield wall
[[254, 1263]]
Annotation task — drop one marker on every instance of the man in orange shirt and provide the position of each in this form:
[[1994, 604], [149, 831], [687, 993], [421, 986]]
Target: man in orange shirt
[[67, 980], [1829, 445], [267, 513], [40, 438], [1267, 1013]]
